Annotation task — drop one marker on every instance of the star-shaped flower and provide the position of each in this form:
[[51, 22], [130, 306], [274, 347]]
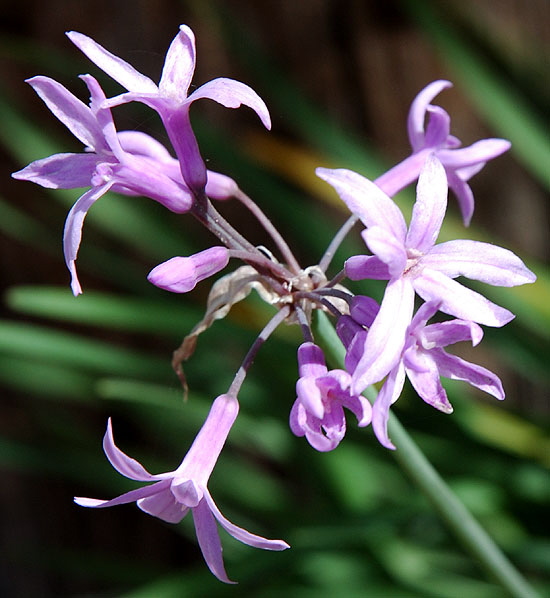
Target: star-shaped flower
[[170, 97], [460, 163], [105, 164], [424, 360], [175, 493], [412, 262]]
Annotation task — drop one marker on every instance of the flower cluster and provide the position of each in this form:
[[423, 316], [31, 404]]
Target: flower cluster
[[384, 342]]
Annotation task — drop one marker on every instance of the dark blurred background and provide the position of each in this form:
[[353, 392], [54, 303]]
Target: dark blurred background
[[357, 65]]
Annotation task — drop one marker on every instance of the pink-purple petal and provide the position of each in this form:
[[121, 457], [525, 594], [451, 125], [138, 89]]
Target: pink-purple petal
[[364, 309], [366, 200], [447, 333], [480, 151], [430, 206], [310, 396], [386, 337], [164, 506], [455, 368], [60, 171], [479, 261], [125, 498], [73, 113], [424, 377], [360, 267], [360, 407], [179, 66], [311, 360], [232, 94], [325, 434], [125, 465], [463, 193], [386, 247], [417, 112], [459, 301], [72, 234], [297, 418], [114, 66], [209, 540], [241, 534], [438, 127], [389, 393]]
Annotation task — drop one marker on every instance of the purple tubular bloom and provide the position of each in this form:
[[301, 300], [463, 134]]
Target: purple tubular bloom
[[318, 412], [460, 163], [424, 360], [174, 493], [181, 274], [169, 99], [412, 262]]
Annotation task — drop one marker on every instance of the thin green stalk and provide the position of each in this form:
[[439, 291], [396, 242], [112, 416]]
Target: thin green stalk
[[457, 517]]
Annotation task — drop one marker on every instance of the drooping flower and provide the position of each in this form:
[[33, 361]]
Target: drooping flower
[[460, 163], [424, 360], [412, 262], [175, 493], [170, 97], [318, 412], [181, 274]]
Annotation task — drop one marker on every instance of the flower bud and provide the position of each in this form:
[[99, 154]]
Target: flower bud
[[181, 274]]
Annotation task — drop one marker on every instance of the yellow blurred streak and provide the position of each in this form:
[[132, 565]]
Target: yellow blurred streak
[[508, 432], [294, 164]]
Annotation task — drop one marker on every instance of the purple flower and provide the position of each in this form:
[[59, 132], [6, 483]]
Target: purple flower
[[170, 97], [104, 165], [411, 261], [181, 274], [318, 412], [174, 493], [460, 163], [424, 360]]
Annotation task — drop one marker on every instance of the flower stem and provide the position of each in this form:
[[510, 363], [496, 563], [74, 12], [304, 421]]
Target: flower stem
[[271, 230], [476, 540], [268, 329], [457, 517]]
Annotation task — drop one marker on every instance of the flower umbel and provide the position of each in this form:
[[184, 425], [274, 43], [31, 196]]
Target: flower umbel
[[384, 342], [174, 493]]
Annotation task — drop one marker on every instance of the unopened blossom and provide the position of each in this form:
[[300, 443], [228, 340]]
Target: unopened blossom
[[173, 494], [412, 262], [170, 97], [428, 127], [424, 360], [181, 274], [318, 412]]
